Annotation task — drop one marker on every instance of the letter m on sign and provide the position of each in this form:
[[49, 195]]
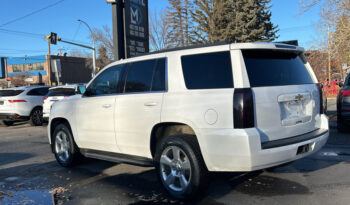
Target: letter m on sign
[[134, 15]]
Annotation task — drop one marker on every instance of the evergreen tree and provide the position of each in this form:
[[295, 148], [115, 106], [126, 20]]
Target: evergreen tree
[[178, 20], [232, 21]]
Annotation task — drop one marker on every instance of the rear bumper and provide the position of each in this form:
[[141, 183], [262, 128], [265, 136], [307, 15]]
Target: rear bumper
[[242, 150], [13, 117]]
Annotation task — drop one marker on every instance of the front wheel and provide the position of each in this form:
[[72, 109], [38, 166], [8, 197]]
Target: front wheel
[[180, 167], [66, 152]]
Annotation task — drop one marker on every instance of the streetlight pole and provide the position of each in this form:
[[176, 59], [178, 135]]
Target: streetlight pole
[[93, 47]]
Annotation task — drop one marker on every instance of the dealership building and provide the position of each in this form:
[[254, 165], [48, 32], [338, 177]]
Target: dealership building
[[34, 70]]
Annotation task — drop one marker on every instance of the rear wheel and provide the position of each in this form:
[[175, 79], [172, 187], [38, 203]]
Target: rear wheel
[[36, 117], [180, 167], [7, 123], [66, 152]]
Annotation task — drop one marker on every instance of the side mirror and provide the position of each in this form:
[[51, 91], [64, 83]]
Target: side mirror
[[81, 89], [341, 84]]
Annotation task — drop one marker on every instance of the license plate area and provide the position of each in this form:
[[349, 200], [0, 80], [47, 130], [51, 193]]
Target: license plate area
[[295, 108], [1, 102], [303, 149]]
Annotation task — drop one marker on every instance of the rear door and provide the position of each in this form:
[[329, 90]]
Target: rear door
[[139, 108], [286, 98]]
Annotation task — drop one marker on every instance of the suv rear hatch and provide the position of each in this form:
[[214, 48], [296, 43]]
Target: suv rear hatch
[[8, 99], [286, 98]]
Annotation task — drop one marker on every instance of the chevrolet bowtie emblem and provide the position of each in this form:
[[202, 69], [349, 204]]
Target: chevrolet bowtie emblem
[[298, 97]]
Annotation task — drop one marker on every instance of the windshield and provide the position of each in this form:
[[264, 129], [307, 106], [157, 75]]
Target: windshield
[[275, 68], [61, 92], [9, 93]]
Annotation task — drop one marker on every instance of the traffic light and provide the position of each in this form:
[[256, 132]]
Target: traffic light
[[53, 38]]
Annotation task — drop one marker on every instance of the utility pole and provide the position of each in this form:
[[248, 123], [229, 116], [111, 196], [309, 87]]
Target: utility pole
[[329, 55], [49, 60]]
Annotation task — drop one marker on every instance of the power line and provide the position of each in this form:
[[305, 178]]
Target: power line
[[31, 13]]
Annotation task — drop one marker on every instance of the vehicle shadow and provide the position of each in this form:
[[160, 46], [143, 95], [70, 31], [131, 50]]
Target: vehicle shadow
[[7, 158], [89, 182]]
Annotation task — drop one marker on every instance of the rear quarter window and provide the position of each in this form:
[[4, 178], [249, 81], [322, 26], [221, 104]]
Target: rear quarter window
[[275, 68], [207, 71]]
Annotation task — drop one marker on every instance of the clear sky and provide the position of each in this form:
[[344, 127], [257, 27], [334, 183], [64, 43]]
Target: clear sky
[[61, 17]]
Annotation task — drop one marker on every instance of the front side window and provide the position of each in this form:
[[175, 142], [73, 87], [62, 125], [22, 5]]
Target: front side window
[[207, 71], [139, 76], [106, 83]]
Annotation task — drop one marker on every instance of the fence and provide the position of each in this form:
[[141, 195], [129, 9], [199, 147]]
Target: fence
[[330, 89]]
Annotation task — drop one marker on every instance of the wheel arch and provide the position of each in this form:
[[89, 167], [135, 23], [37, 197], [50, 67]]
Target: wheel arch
[[165, 129], [54, 123]]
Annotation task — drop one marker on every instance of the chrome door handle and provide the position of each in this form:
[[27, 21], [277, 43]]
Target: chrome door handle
[[107, 105], [150, 104]]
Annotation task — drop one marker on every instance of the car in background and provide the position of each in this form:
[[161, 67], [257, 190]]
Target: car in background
[[343, 106], [55, 94], [21, 104]]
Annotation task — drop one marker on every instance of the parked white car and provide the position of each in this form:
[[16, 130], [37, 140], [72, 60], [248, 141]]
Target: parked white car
[[55, 94], [22, 103], [233, 107]]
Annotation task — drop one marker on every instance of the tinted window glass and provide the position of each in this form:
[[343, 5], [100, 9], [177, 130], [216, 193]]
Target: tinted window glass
[[158, 83], [139, 76], [275, 68], [61, 92], [106, 83], [207, 71], [38, 92], [8, 93]]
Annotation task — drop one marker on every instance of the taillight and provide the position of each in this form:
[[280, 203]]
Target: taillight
[[16, 101], [44, 98], [345, 93], [319, 86], [67, 96], [243, 108]]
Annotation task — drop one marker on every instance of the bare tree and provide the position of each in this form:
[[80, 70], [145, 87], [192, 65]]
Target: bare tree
[[104, 37], [158, 27]]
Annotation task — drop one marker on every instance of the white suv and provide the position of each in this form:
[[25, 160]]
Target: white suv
[[55, 94], [22, 103], [233, 107]]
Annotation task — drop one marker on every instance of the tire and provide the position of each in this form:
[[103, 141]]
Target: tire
[[7, 123], [66, 151], [183, 177], [36, 117]]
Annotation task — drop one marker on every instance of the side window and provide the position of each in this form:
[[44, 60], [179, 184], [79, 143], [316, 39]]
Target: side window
[[158, 83], [106, 83], [207, 71], [139, 76], [38, 92]]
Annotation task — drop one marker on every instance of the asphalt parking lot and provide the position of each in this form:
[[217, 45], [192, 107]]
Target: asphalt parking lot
[[29, 174]]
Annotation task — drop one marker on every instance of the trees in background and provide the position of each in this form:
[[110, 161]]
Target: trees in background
[[335, 32]]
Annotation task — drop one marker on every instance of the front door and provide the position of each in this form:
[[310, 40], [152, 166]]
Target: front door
[[95, 111]]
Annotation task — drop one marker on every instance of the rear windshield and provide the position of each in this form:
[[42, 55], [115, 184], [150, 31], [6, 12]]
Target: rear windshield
[[61, 92], [275, 68], [9, 93]]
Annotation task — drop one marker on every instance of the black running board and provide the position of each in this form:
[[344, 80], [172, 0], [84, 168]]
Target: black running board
[[117, 157]]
